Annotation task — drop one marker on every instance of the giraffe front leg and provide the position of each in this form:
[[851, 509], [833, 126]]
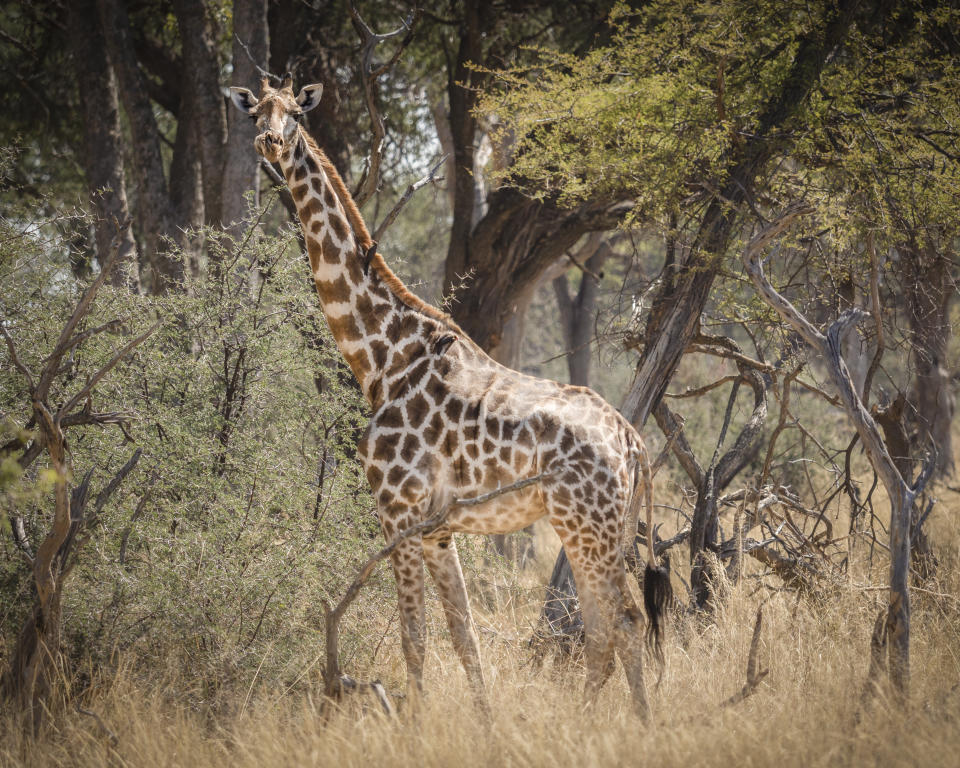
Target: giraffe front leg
[[440, 554], [407, 560]]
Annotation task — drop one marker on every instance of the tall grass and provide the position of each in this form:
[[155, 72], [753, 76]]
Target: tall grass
[[808, 711]]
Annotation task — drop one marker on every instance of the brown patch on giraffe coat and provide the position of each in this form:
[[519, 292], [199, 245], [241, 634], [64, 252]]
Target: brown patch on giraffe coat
[[359, 363], [339, 225], [299, 173], [411, 490], [395, 475], [338, 290], [330, 251], [355, 271], [385, 447], [454, 409], [409, 449], [311, 209], [345, 328], [328, 197], [434, 429], [380, 354], [390, 417], [417, 372], [493, 427], [524, 437], [374, 477], [299, 192], [417, 409], [450, 443], [436, 389]]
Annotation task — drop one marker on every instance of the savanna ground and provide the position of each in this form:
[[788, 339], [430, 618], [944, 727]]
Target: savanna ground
[[810, 710]]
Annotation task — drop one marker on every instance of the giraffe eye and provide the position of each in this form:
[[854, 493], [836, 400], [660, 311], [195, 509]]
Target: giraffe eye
[[298, 116]]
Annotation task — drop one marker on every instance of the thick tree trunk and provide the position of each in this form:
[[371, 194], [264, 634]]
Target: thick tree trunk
[[201, 70], [511, 249], [154, 212], [241, 164], [103, 146]]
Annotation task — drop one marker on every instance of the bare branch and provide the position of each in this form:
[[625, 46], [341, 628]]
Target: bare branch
[[877, 319], [370, 179], [697, 391], [260, 70], [15, 359], [95, 379], [52, 364], [430, 178]]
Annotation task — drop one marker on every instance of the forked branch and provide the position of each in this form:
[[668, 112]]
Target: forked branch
[[370, 74], [336, 683]]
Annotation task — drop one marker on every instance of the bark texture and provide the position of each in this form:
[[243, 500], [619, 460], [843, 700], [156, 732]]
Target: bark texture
[[103, 143], [241, 162]]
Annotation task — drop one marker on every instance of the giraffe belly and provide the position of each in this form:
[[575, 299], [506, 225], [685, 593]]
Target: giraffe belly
[[500, 515]]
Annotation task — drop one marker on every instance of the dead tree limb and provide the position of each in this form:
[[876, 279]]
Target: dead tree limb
[[430, 178], [755, 675], [34, 671], [901, 494], [335, 683], [370, 179]]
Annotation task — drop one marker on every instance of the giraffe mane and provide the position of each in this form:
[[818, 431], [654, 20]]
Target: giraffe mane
[[393, 283]]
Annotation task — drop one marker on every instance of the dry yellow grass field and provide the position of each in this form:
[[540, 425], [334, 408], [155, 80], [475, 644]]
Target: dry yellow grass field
[[806, 712]]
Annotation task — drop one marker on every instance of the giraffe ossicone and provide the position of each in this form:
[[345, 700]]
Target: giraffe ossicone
[[450, 423]]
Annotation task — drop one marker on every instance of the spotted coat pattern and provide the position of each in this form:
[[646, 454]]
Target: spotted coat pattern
[[449, 422]]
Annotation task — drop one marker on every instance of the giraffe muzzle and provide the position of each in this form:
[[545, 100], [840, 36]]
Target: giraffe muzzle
[[269, 144]]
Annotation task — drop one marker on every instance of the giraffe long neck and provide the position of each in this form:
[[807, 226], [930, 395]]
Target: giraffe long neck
[[379, 327]]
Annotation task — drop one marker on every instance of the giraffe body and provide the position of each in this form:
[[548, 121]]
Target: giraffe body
[[449, 422]]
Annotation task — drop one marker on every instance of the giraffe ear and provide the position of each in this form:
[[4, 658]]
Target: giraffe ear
[[244, 100], [309, 96]]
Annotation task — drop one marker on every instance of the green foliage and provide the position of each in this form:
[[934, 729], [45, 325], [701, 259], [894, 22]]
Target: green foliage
[[247, 508]]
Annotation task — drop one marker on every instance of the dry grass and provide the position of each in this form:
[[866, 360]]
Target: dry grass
[[802, 714]]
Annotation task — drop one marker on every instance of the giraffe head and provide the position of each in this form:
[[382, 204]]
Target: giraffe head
[[276, 112]]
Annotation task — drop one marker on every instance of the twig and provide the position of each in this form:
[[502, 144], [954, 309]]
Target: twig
[[261, 70], [103, 726], [697, 391], [430, 178], [15, 359]]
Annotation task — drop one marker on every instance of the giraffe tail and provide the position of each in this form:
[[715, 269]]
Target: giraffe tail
[[657, 591]]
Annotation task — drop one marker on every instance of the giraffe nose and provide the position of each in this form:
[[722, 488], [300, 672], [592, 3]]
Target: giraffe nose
[[269, 143]]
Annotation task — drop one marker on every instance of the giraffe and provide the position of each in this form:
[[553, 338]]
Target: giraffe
[[448, 422]]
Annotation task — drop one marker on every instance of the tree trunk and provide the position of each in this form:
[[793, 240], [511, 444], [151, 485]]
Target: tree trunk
[[154, 214], [930, 289], [577, 312], [241, 164], [103, 146], [201, 70]]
